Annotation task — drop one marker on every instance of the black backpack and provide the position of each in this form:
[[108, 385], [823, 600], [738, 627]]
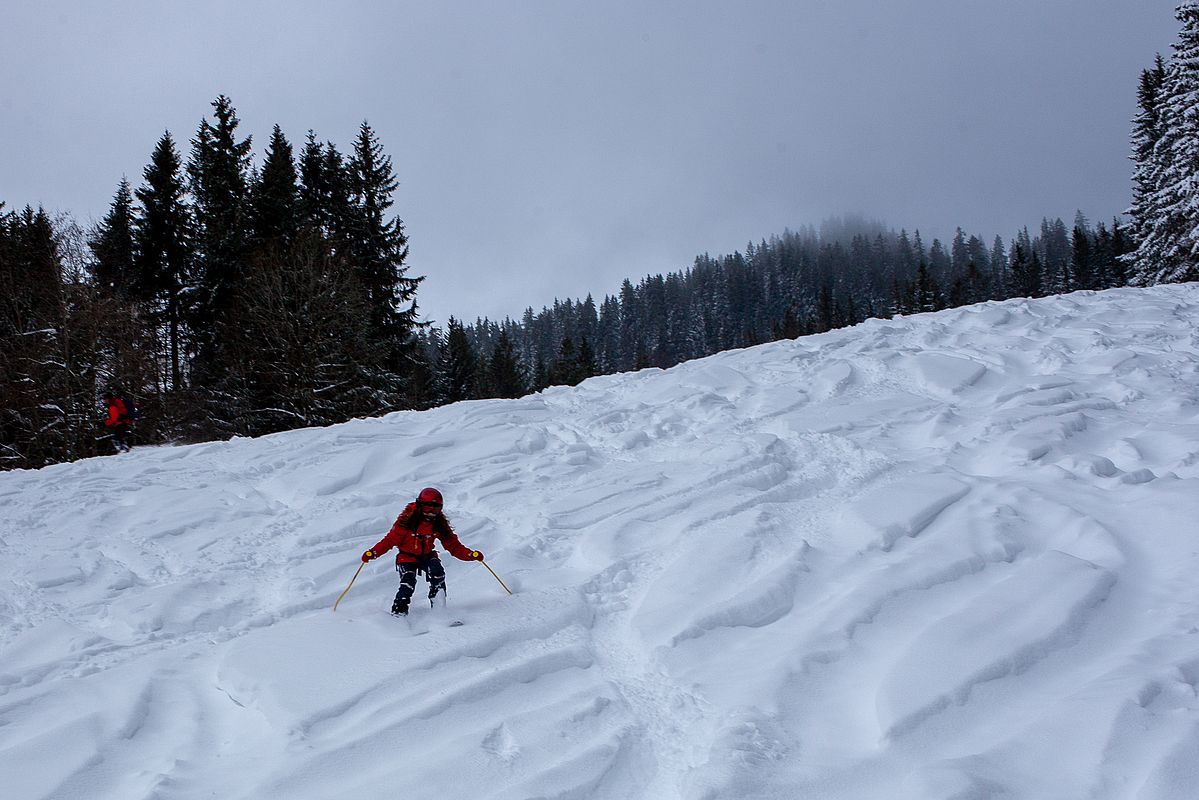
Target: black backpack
[[130, 408]]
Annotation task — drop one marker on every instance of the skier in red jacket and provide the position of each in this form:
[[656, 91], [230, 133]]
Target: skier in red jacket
[[119, 419], [419, 525]]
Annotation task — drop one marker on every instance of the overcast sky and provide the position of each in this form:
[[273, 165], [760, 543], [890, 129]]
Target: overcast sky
[[551, 149]]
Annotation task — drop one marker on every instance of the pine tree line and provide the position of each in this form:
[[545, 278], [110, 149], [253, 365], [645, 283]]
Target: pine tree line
[[228, 298], [797, 283]]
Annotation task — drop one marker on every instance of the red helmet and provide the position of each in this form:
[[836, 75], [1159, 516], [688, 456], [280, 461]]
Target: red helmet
[[429, 497]]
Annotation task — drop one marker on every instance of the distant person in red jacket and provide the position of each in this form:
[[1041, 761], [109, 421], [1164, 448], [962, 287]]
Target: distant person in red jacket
[[419, 525], [119, 420]]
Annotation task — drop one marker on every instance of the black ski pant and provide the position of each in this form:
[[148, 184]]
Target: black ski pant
[[434, 574], [120, 437]]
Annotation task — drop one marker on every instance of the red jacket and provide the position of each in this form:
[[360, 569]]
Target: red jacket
[[118, 414], [414, 536]]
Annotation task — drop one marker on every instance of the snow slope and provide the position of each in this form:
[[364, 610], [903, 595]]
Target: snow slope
[[946, 556]]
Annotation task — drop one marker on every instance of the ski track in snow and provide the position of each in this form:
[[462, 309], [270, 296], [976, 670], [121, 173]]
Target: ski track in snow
[[943, 556]]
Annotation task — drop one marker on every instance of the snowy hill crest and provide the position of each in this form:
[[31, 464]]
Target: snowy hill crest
[[945, 556]]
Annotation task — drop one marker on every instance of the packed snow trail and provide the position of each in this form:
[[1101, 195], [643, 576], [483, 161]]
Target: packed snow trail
[[944, 556]]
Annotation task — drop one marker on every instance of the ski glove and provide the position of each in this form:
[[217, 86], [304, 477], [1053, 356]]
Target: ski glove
[[369, 555], [476, 555]]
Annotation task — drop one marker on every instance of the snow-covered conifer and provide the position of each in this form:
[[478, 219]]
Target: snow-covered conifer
[[1166, 207]]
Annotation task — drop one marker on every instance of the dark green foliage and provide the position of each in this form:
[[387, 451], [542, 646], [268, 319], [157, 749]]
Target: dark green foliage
[[300, 354], [928, 294], [457, 366], [164, 256], [573, 365], [32, 372], [379, 245], [275, 198], [112, 245], [1026, 273], [1083, 273], [219, 171], [505, 376]]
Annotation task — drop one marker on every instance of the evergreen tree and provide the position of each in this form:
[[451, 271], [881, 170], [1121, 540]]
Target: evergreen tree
[[33, 371], [324, 204], [1147, 130], [905, 257], [164, 257], [960, 252], [380, 246], [420, 372], [999, 270], [112, 245], [1121, 248], [1026, 272], [297, 352], [609, 356], [1082, 265], [566, 370], [275, 200], [630, 326], [927, 291], [505, 377], [219, 181], [826, 318], [588, 368], [902, 297], [1054, 255], [1169, 249], [458, 365], [976, 284]]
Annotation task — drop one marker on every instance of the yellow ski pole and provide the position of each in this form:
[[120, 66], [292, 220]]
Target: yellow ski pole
[[497, 577], [343, 594]]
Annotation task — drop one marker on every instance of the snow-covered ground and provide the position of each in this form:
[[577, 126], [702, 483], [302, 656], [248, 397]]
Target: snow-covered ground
[[946, 556]]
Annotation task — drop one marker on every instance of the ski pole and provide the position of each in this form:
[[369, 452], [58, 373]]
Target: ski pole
[[343, 594], [497, 577]]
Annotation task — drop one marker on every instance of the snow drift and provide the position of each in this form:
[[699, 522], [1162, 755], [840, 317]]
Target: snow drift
[[946, 556]]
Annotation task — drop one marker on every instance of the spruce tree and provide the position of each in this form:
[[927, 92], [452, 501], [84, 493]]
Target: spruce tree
[[1121, 248], [380, 246], [1026, 272], [457, 365], [164, 255], [609, 335], [927, 291], [1147, 130], [588, 368], [112, 246], [314, 189], [325, 204], [34, 335], [630, 326], [999, 270], [565, 371], [905, 258], [1169, 249], [505, 378], [275, 198], [219, 172], [1082, 273]]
